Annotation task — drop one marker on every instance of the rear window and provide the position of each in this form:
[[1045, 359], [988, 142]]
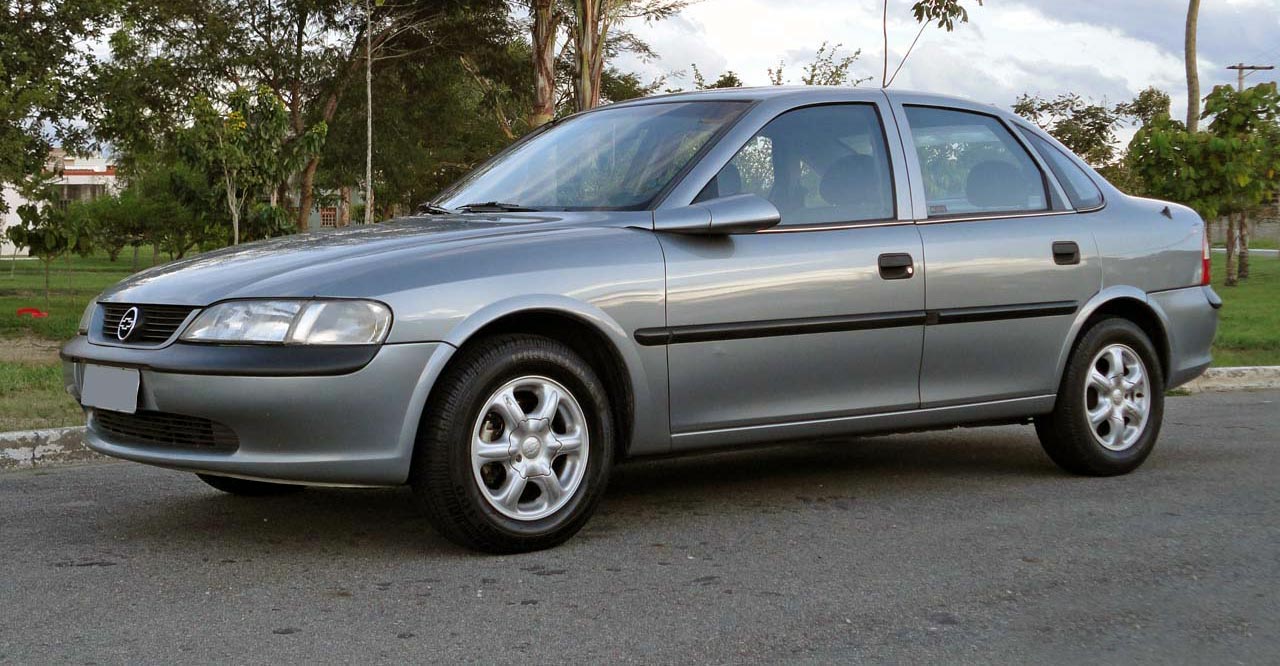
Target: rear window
[[1080, 188]]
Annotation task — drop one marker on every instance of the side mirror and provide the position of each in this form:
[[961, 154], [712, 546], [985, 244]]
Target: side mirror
[[737, 214]]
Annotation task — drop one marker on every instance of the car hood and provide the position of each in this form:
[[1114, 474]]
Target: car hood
[[325, 263]]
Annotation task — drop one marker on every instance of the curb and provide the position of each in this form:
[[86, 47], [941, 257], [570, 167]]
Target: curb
[[37, 448], [1247, 378], [25, 449]]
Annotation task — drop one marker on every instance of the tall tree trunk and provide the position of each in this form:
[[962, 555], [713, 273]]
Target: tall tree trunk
[[368, 115], [588, 34], [544, 62], [135, 258], [344, 206], [306, 192], [1231, 251], [1193, 69], [1242, 247]]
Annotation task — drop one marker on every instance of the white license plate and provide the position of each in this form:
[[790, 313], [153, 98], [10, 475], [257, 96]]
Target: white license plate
[[110, 388]]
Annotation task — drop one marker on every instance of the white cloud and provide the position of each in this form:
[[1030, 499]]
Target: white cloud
[[1008, 47]]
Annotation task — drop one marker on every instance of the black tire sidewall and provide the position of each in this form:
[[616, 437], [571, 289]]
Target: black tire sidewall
[[478, 375], [1071, 414]]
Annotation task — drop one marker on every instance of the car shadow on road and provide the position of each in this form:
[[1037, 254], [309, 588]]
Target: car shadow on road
[[387, 523]]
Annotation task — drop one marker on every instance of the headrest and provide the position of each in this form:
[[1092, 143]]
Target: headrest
[[850, 180], [996, 185]]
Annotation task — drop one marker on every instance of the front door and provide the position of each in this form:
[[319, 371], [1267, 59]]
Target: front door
[[1009, 261], [818, 318]]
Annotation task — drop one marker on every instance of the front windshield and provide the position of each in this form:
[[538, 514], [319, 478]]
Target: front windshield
[[612, 159]]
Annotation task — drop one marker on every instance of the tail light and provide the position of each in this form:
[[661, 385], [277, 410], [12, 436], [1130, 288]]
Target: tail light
[[1204, 258]]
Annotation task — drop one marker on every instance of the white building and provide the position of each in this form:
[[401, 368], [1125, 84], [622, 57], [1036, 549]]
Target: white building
[[79, 179]]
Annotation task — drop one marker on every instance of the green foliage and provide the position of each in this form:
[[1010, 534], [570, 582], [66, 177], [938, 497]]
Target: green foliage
[[42, 57], [726, 80], [1231, 167], [1148, 105], [243, 147], [1088, 129], [828, 68], [943, 12], [46, 229]]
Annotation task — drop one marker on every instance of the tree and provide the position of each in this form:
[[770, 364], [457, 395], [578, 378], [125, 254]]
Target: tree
[[945, 13], [45, 228], [1088, 129], [1244, 129], [827, 68], [726, 80], [590, 35], [1146, 106], [245, 149], [42, 66], [1227, 170], [1193, 68], [545, 22]]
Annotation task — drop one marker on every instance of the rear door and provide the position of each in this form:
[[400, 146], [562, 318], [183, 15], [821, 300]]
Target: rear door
[[818, 318], [1009, 261]]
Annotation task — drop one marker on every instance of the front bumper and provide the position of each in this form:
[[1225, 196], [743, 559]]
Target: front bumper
[[354, 428]]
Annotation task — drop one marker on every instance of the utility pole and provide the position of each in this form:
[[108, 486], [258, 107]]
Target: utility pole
[[1241, 240], [1243, 70]]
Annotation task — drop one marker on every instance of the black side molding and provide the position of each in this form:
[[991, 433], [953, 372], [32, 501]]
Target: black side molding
[[237, 360], [674, 335], [671, 335], [1002, 312]]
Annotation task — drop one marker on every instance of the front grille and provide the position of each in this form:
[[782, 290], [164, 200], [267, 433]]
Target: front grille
[[164, 429], [156, 323]]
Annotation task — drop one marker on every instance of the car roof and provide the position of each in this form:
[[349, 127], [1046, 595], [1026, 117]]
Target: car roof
[[799, 95]]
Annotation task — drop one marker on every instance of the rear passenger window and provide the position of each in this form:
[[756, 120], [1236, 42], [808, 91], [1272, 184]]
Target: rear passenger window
[[972, 164], [1080, 188], [817, 165]]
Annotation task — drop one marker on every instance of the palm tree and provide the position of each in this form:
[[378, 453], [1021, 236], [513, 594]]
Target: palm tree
[[1193, 72]]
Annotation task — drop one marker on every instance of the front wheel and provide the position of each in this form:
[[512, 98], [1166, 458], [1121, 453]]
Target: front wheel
[[1110, 404], [515, 448]]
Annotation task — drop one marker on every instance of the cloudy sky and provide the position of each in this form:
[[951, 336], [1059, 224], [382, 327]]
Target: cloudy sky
[[1104, 49]]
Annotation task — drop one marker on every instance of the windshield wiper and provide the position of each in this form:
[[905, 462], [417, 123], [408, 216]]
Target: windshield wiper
[[432, 209], [495, 207]]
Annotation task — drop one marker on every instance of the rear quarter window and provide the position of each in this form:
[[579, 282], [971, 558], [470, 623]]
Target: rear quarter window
[[1080, 188]]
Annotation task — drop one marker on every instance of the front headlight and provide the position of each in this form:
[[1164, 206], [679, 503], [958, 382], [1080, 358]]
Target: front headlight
[[311, 322], [86, 319]]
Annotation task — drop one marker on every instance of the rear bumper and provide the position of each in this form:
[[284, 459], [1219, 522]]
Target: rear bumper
[[1190, 318], [356, 428]]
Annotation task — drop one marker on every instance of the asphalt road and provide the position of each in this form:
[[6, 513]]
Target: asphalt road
[[961, 546]]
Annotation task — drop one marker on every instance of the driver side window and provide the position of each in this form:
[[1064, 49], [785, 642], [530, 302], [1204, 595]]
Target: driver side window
[[818, 165]]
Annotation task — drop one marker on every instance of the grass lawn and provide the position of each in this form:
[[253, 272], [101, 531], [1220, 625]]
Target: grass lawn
[[31, 393], [1249, 329]]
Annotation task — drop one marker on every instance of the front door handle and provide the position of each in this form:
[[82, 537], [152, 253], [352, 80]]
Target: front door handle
[[897, 266], [1066, 253]]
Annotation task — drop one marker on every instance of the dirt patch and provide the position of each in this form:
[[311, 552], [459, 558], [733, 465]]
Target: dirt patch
[[29, 350]]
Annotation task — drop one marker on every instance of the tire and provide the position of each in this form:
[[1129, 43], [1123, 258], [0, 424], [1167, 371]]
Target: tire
[[1094, 447], [247, 488], [495, 466]]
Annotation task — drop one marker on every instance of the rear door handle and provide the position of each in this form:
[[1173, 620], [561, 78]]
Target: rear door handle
[[896, 266], [1066, 253]]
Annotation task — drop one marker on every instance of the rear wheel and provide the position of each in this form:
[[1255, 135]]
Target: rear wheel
[[248, 488], [516, 446], [1110, 404]]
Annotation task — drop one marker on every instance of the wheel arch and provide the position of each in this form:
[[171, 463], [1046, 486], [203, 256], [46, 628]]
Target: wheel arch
[[1126, 303], [587, 330]]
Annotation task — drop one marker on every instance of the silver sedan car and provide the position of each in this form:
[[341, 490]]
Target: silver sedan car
[[667, 275]]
